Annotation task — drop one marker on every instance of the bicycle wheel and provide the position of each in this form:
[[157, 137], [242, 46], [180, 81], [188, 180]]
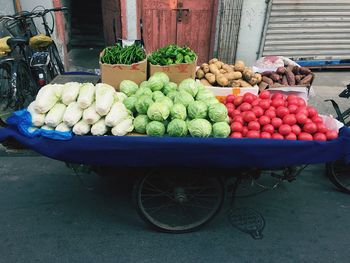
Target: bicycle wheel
[[5, 89], [56, 66], [178, 202], [339, 174]]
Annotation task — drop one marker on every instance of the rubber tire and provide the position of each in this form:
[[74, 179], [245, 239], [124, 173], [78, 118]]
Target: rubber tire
[[334, 179], [56, 67], [136, 190]]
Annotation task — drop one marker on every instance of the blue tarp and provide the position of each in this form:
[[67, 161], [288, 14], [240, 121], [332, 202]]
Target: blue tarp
[[143, 151]]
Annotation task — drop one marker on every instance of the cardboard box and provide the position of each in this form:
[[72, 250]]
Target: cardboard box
[[221, 93], [116, 73], [176, 72]]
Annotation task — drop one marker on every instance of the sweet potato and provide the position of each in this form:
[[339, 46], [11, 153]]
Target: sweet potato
[[239, 66], [296, 70], [275, 77], [266, 73], [284, 81], [213, 69], [267, 80], [306, 80], [304, 71], [280, 70], [210, 77], [200, 74], [263, 85], [298, 78], [205, 82], [290, 77], [213, 60]]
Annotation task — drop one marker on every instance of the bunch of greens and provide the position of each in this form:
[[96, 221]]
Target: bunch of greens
[[123, 55], [172, 54]]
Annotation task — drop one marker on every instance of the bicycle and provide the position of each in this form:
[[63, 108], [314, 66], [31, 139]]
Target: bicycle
[[339, 171]]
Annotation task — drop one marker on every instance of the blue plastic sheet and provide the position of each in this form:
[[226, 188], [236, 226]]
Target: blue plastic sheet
[[143, 151]]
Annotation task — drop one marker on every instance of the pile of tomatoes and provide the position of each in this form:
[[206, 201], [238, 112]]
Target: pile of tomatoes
[[275, 117]]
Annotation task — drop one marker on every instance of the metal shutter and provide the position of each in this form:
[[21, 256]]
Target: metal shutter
[[308, 29]]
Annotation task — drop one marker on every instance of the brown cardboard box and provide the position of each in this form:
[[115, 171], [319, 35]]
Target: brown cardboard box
[[116, 73], [176, 72]]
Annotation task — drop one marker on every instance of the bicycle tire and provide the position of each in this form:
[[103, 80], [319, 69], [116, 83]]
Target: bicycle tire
[[56, 66], [5, 87], [333, 173]]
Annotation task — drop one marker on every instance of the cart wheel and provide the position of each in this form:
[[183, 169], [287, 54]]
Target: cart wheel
[[178, 202], [339, 174]]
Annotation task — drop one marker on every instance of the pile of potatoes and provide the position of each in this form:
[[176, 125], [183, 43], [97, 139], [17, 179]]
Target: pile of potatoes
[[217, 73]]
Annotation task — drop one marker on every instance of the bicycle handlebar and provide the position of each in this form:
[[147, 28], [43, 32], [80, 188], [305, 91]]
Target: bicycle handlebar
[[26, 14]]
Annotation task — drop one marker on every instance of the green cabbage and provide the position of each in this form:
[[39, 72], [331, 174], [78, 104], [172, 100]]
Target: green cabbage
[[177, 128], [128, 87], [217, 112], [142, 104], [197, 110], [156, 83], [172, 94], [199, 128], [140, 123], [145, 84], [164, 77], [200, 87], [211, 101], [158, 111], [143, 91], [155, 128], [166, 101], [204, 95], [221, 130], [130, 103], [184, 98], [178, 111], [171, 86], [190, 86], [157, 95]]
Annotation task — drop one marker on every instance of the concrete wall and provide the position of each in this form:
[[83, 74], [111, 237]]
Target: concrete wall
[[251, 27], [6, 7], [131, 19]]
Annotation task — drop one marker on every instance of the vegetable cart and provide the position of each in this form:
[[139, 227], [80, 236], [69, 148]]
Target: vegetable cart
[[181, 200]]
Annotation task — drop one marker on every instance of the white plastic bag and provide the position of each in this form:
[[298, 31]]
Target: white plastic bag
[[86, 96], [104, 98], [99, 128], [38, 119], [123, 127], [117, 114], [62, 127], [90, 116], [70, 92], [55, 115], [73, 114], [48, 128], [81, 128]]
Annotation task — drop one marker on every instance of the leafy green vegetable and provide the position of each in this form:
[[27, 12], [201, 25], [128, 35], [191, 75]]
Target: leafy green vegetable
[[143, 91], [178, 111], [199, 128], [177, 128], [155, 128], [130, 103], [143, 103], [190, 86], [144, 84], [184, 98], [217, 112], [156, 83], [204, 95], [140, 123], [172, 94], [157, 95], [158, 111], [211, 101], [172, 54], [221, 130], [164, 77], [197, 110], [128, 87], [171, 86], [123, 55], [166, 101]]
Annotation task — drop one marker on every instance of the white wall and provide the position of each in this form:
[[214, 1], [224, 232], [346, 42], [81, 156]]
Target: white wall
[[131, 19], [251, 27], [6, 7]]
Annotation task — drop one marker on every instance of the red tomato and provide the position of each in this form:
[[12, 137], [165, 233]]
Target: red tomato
[[236, 135], [293, 108], [317, 119], [331, 135], [256, 102], [230, 112], [291, 136], [258, 111], [263, 120], [321, 128], [276, 122], [248, 97], [285, 129], [304, 111], [312, 111], [296, 129], [245, 131], [265, 94], [301, 102], [254, 126], [238, 118], [270, 113], [308, 121], [293, 102], [236, 126], [320, 137], [245, 106], [277, 136], [277, 95], [238, 101], [277, 102], [264, 104], [272, 108], [235, 113], [265, 135], [230, 98], [249, 116], [230, 105], [304, 136], [268, 128], [282, 111], [253, 134], [310, 127], [289, 119], [291, 97], [301, 118]]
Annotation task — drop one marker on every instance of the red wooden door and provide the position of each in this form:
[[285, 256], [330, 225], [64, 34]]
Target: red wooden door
[[183, 22], [112, 28]]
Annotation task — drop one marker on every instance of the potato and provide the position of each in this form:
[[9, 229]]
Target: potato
[[258, 77], [253, 81], [205, 82], [213, 60], [200, 73], [244, 83], [205, 68], [210, 77], [222, 71], [204, 65], [227, 67], [233, 75], [218, 64], [235, 83], [221, 80], [213, 69], [239, 66], [248, 74]]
